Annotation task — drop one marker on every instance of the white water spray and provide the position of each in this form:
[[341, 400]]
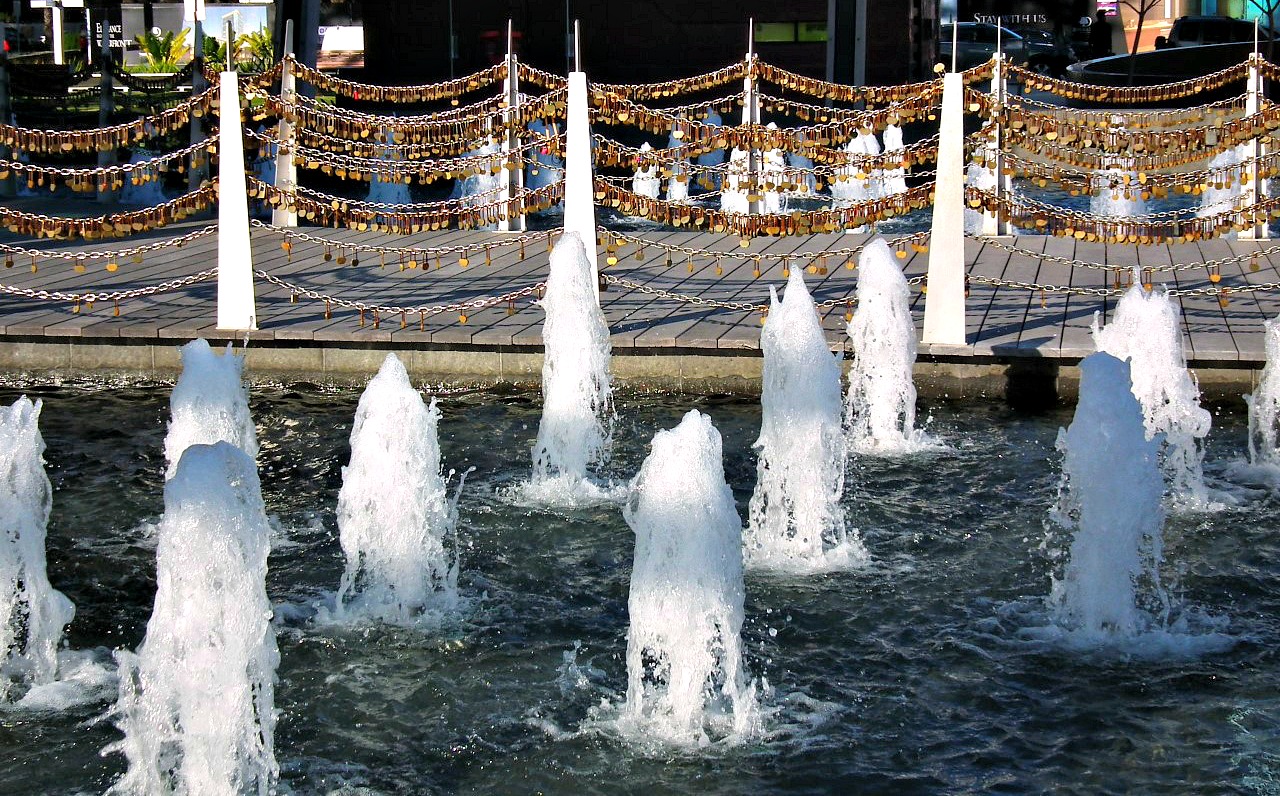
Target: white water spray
[[880, 407], [686, 680], [388, 188], [1147, 330], [209, 403], [893, 181], [795, 520], [33, 614], [645, 180], [733, 194], [394, 516], [1110, 497], [480, 187], [1264, 405], [195, 701], [147, 193], [1117, 192], [575, 432]]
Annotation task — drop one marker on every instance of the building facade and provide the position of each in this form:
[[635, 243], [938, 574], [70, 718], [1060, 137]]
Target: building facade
[[868, 41]]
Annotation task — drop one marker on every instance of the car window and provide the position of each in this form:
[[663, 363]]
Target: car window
[[1189, 31], [1216, 32], [985, 34]]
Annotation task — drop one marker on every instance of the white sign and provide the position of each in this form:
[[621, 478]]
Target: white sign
[[57, 3], [192, 10]]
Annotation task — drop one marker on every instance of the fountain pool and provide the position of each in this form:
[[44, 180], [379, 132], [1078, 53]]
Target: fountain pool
[[911, 674]]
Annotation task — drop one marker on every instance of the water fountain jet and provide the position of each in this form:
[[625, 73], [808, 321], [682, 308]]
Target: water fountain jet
[[394, 516], [880, 407], [795, 518], [686, 680], [1147, 330], [196, 700], [209, 403], [575, 432], [33, 614]]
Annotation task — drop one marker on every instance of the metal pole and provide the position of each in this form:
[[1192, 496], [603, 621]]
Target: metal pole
[[860, 43], [1257, 227], [286, 215], [8, 186], [513, 165], [231, 44], [55, 11], [452, 54], [751, 116], [106, 103], [195, 174], [955, 39]]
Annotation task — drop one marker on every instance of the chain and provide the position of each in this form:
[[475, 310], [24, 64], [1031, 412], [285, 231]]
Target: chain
[[540, 78], [443, 206], [316, 158], [1157, 92], [291, 234], [837, 254], [112, 295], [116, 254], [422, 310], [737, 306], [1034, 169], [1132, 118], [1220, 291], [120, 168], [671, 88], [478, 111], [1053, 258], [427, 92], [27, 139]]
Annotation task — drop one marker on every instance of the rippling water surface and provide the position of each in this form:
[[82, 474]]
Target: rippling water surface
[[907, 676]]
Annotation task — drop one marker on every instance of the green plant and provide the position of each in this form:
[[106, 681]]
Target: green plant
[[163, 52], [260, 50]]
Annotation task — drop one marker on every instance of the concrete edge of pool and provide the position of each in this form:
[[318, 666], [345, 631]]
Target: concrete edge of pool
[[1026, 380]]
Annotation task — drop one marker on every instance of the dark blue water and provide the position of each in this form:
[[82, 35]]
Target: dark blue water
[[908, 676]]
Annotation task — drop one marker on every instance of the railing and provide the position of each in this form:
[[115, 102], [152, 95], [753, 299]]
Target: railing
[[495, 133]]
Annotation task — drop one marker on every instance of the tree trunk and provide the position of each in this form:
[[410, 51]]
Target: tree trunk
[[1137, 36]]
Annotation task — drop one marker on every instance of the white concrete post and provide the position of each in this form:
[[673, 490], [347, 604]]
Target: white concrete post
[[579, 188], [991, 225], [236, 311], [1252, 191], [286, 215], [512, 177], [751, 116], [944, 304]]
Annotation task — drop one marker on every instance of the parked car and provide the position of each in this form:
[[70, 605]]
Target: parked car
[[976, 42], [1047, 54], [1192, 31]]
